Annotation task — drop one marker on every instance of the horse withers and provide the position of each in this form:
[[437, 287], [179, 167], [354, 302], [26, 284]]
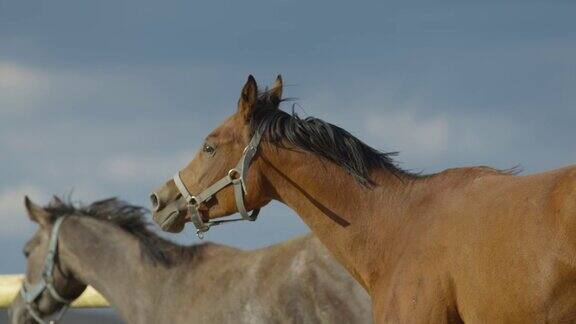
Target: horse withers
[[147, 279]]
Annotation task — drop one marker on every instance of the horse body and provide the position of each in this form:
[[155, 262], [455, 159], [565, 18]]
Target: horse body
[[471, 244], [468, 244], [475, 245], [151, 280], [292, 282], [507, 243]]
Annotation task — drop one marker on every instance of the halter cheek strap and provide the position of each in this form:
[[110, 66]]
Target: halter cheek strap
[[235, 177], [46, 283]]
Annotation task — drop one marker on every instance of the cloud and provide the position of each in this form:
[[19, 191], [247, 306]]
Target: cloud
[[12, 213], [438, 141], [20, 87], [406, 125], [131, 168], [429, 136], [16, 77], [424, 136]]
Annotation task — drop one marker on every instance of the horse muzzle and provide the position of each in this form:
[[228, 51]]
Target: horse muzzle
[[169, 215], [172, 217]]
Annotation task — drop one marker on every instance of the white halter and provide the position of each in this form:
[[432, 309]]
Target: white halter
[[235, 177]]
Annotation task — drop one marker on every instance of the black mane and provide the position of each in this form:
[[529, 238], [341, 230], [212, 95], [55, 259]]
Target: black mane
[[131, 219], [324, 139]]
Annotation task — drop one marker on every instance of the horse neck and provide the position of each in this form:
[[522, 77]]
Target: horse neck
[[109, 259], [350, 219]]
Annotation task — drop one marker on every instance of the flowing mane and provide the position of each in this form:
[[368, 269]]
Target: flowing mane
[[324, 139], [131, 219]]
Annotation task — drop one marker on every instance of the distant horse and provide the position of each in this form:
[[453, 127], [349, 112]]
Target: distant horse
[[468, 244], [150, 280]]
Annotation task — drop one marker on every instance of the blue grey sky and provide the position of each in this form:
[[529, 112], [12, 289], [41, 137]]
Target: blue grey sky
[[110, 98]]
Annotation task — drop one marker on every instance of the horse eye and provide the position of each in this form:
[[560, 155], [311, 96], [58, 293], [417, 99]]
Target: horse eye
[[26, 252], [208, 149]]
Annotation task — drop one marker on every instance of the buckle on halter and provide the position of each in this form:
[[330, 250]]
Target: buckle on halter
[[200, 231]]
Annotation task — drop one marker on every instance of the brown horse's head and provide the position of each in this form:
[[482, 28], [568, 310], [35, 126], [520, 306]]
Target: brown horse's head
[[36, 250], [220, 153]]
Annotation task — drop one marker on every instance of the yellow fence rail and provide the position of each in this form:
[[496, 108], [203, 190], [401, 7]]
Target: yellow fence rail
[[10, 286]]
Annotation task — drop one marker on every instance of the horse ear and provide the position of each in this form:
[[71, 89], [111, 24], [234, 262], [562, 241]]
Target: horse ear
[[276, 90], [36, 213], [248, 98]]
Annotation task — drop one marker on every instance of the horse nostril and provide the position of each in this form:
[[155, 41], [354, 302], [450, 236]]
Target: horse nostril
[[156, 203]]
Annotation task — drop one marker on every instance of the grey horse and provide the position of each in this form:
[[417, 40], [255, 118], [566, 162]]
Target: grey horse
[[148, 279]]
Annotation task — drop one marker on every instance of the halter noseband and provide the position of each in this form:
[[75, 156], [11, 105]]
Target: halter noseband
[[30, 295], [236, 177]]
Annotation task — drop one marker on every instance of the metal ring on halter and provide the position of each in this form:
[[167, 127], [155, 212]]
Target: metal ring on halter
[[193, 201], [234, 175]]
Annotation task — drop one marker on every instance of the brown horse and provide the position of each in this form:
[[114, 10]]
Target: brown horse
[[469, 244], [150, 280]]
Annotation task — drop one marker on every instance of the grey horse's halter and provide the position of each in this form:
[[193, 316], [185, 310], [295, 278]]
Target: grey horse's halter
[[30, 295], [235, 177]]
